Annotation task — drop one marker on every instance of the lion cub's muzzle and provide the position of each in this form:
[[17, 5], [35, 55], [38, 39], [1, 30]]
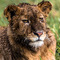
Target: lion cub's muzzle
[[36, 38]]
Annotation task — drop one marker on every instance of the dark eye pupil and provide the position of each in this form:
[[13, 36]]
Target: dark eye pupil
[[25, 21]]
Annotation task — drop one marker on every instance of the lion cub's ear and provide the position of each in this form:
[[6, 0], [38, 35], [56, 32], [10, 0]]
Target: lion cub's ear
[[10, 11], [45, 7]]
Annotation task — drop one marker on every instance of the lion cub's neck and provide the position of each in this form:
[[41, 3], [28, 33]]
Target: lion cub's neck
[[31, 55]]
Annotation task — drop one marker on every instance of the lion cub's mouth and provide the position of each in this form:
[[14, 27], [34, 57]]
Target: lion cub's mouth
[[36, 41]]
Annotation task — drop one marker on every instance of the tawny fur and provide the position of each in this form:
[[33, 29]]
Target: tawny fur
[[24, 23]]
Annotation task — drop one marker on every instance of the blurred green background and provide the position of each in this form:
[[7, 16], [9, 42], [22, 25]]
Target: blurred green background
[[53, 20]]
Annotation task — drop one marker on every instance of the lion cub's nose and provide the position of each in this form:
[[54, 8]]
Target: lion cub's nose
[[38, 33]]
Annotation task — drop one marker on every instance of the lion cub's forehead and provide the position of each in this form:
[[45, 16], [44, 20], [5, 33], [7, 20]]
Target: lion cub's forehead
[[31, 11]]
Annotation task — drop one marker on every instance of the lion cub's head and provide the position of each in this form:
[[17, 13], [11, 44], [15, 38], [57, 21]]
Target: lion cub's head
[[28, 22]]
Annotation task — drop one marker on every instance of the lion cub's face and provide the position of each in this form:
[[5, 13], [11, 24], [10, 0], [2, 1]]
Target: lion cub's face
[[29, 21]]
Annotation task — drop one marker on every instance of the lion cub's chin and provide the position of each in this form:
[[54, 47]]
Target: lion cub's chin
[[36, 44]]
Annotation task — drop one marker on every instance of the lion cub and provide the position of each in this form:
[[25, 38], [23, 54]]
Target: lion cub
[[27, 35]]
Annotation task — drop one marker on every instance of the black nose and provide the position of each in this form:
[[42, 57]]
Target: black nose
[[38, 33]]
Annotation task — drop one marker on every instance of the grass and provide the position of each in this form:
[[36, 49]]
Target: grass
[[53, 20], [54, 25]]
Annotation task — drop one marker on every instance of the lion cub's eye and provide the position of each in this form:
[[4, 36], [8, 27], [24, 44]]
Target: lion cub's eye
[[25, 21], [41, 19]]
